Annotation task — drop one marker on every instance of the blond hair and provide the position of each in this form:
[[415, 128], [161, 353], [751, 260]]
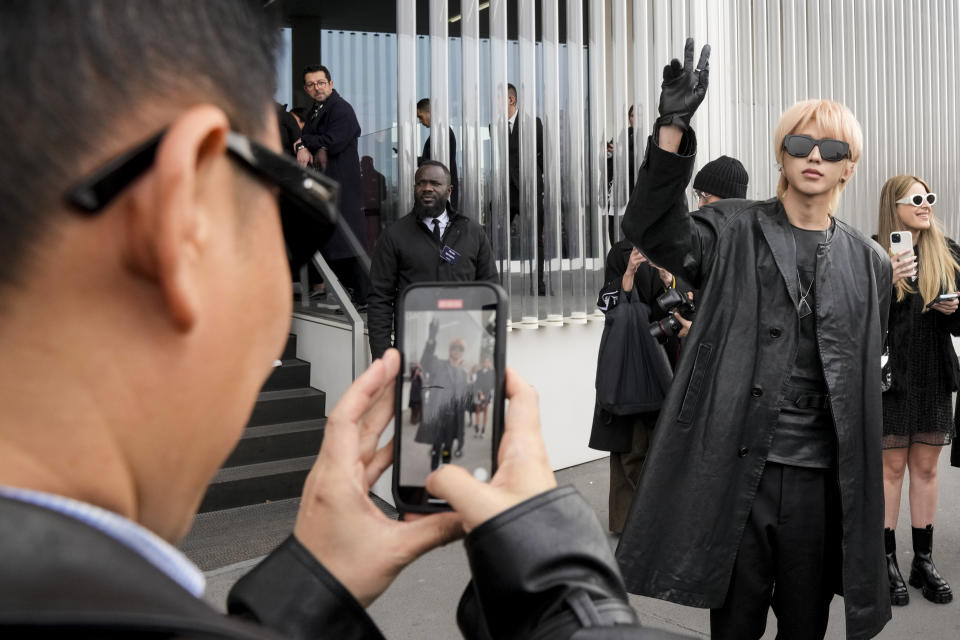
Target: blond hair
[[937, 268], [835, 121]]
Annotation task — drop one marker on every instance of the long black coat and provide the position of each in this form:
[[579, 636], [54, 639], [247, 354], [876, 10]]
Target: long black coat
[[717, 423], [335, 128], [513, 157]]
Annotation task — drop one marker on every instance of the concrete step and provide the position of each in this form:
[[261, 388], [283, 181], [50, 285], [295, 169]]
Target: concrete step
[[277, 442], [288, 405], [293, 374], [257, 483]]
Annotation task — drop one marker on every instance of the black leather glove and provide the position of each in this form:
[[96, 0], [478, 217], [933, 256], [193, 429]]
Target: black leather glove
[[683, 88]]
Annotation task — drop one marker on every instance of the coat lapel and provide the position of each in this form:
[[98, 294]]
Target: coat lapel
[[779, 237]]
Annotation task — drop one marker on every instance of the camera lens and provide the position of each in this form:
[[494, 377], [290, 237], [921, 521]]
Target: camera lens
[[895, 237]]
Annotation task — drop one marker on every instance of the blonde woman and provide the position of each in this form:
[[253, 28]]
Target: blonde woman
[[917, 410]]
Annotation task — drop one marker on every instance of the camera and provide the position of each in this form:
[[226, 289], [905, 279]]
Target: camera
[[669, 302]]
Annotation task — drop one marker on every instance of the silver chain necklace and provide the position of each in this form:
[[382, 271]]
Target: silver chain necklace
[[803, 307]]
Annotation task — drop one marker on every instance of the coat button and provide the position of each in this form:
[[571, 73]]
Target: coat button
[[756, 392], [775, 332], [743, 451]]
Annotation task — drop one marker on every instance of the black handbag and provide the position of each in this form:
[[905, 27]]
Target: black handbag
[[633, 372]]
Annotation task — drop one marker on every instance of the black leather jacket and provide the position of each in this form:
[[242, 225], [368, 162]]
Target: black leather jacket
[[718, 420]]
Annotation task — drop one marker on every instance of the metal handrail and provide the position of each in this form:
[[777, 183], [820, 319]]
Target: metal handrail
[[356, 322]]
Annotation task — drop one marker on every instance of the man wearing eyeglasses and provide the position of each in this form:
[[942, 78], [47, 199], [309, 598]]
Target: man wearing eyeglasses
[[118, 406], [329, 143], [764, 486]]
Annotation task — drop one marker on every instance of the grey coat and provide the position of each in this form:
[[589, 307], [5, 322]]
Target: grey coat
[[717, 423]]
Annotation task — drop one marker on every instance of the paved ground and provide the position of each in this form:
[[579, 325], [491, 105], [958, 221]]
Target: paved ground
[[422, 601]]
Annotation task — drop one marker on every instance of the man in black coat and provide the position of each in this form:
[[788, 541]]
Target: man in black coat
[[513, 147], [329, 142], [629, 274], [763, 485], [423, 116], [432, 243]]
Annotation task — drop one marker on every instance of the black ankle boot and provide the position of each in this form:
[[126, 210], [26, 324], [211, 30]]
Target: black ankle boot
[[923, 573], [899, 596]]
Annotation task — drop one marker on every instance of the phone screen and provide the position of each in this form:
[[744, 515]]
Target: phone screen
[[449, 401]]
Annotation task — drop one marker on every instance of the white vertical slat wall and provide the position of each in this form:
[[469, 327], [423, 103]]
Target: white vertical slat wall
[[888, 60]]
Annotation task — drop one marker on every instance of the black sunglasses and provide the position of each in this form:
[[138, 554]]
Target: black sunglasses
[[308, 200], [831, 150]]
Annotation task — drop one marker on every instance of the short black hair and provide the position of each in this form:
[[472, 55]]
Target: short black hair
[[85, 79], [300, 112], [423, 104], [435, 163], [313, 68], [512, 89]]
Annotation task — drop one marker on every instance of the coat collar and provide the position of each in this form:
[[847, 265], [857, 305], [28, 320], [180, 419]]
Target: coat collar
[[779, 236]]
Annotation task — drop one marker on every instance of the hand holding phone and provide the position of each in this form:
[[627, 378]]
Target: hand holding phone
[[449, 395], [945, 303], [337, 521], [903, 260], [523, 469]]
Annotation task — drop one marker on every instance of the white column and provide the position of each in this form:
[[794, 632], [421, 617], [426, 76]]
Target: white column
[[406, 103], [598, 144], [470, 176], [550, 21], [439, 80], [529, 196], [499, 171], [621, 191], [576, 154]]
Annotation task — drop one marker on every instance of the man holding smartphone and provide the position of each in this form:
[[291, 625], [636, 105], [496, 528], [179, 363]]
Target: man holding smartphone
[[763, 487], [169, 190]]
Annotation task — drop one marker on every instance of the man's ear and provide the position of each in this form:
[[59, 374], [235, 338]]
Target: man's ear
[[848, 170], [168, 225]]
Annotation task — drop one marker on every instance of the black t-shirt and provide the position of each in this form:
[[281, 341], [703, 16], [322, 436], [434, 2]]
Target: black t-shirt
[[805, 434]]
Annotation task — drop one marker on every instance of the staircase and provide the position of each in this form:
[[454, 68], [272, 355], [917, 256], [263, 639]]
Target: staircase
[[280, 443]]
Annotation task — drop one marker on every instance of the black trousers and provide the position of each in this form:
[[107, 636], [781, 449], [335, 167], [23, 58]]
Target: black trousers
[[789, 558]]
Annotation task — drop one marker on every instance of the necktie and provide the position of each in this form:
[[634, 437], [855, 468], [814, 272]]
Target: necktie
[[436, 230]]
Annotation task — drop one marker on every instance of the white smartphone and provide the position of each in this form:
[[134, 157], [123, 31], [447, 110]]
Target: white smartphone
[[901, 241]]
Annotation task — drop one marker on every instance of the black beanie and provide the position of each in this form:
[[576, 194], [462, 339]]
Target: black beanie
[[724, 177]]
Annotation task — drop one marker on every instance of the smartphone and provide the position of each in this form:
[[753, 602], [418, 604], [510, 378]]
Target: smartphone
[[450, 389], [901, 241], [943, 297]]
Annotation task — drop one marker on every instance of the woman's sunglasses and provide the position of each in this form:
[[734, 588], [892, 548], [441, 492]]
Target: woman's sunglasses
[[800, 146], [918, 199]]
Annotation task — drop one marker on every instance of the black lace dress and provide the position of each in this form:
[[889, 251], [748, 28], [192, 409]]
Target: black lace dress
[[918, 407]]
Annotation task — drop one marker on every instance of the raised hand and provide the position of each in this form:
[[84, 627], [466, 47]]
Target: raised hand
[[684, 87]]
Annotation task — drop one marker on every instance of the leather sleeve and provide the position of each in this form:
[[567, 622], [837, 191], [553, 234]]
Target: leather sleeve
[[292, 593], [657, 221], [543, 569]]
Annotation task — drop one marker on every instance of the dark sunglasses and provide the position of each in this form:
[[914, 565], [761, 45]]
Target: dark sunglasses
[[307, 199], [918, 199], [800, 146]]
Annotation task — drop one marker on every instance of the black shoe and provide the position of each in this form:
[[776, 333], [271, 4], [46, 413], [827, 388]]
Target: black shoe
[[899, 596], [923, 573], [446, 456]]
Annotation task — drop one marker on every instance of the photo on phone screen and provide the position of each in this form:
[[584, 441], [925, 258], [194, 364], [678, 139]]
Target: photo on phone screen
[[449, 400]]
